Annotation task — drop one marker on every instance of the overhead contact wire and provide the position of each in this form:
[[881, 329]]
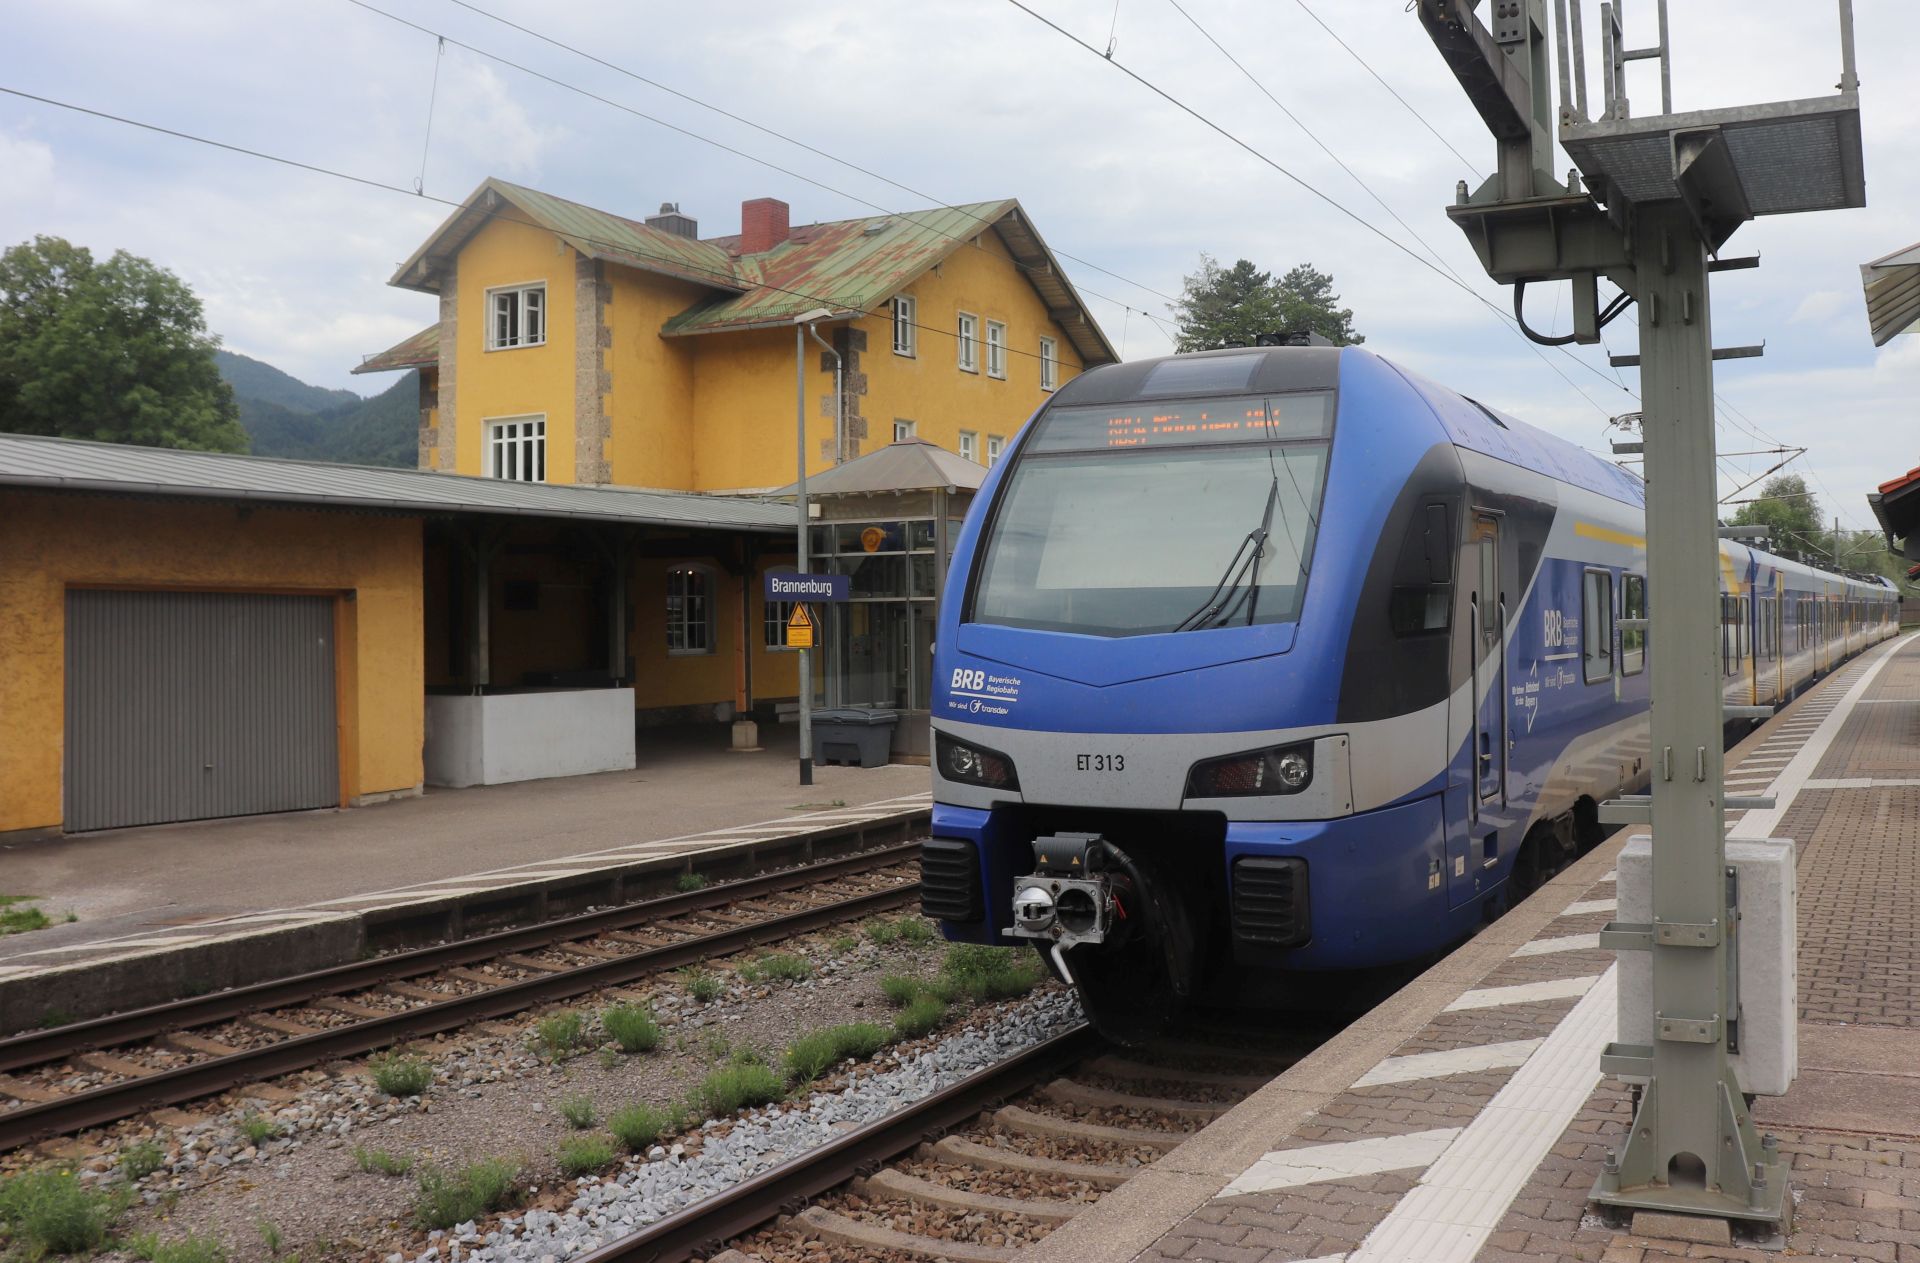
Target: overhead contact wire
[[776, 134], [728, 279], [1417, 115], [1397, 244], [910, 217]]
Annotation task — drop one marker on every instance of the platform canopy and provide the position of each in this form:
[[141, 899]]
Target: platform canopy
[[1893, 293], [40, 463], [901, 466]]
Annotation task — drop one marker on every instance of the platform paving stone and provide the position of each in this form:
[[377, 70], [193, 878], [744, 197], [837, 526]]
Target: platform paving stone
[[1851, 1127]]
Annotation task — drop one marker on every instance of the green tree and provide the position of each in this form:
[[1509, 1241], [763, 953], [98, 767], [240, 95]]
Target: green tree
[[1307, 301], [117, 352], [1791, 514], [1232, 306], [1867, 553]]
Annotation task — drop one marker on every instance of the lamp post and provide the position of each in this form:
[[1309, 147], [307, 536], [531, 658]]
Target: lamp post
[[802, 326]]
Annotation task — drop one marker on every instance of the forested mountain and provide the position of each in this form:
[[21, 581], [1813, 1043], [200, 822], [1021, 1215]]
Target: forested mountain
[[286, 417], [255, 379]]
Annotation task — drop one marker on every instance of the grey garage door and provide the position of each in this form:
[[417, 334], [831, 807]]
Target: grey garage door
[[189, 705]]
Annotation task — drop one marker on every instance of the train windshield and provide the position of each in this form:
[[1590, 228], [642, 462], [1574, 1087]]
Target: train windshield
[[1132, 520]]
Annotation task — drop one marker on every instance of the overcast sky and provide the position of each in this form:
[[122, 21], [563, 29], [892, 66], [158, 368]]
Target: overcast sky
[[960, 100]]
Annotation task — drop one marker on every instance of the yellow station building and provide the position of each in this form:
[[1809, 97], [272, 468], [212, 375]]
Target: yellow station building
[[607, 416], [579, 346]]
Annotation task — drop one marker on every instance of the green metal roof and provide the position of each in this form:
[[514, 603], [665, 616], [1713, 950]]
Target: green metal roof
[[850, 266], [594, 233], [418, 351], [599, 235], [853, 265]]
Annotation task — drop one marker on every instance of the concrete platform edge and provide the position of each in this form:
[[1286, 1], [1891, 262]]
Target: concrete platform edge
[[223, 954], [1132, 1218], [1161, 1202]]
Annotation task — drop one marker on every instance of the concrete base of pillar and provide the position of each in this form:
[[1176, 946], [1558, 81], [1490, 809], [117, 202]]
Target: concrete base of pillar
[[746, 736]]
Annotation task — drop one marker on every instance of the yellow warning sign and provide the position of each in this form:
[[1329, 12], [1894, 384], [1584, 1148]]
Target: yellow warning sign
[[800, 628]]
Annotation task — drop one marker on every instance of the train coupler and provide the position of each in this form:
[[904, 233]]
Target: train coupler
[[1071, 898]]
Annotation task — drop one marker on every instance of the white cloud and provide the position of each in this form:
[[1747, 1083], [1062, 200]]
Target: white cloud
[[479, 117], [1823, 304], [27, 165]]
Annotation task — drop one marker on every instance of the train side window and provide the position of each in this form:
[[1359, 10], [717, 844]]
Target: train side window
[[1596, 626], [1736, 608], [1489, 591], [1633, 640], [1422, 597]]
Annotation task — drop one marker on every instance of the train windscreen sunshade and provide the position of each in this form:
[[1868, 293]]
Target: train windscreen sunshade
[[1194, 526]]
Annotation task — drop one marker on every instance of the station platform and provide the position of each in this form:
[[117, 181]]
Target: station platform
[[221, 902], [1466, 1118]]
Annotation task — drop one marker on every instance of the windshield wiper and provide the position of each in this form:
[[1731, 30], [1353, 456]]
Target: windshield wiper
[[1244, 565]]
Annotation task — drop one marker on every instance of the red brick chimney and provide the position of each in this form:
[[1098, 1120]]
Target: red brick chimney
[[763, 224]]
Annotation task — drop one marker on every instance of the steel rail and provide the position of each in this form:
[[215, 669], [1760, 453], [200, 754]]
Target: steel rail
[[115, 1101], [703, 1226], [39, 1047]]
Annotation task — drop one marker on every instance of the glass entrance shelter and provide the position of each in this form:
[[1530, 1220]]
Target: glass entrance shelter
[[888, 520]]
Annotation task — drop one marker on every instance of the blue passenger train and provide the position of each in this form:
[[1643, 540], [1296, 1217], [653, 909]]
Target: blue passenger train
[[1289, 659]]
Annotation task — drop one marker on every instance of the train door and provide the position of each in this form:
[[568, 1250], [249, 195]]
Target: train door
[[1489, 656], [1779, 636]]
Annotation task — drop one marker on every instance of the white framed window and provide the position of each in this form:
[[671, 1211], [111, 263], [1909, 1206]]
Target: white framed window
[[903, 429], [967, 339], [969, 445], [517, 449], [689, 610], [903, 325], [994, 444], [1049, 364], [773, 621], [996, 349], [516, 316]]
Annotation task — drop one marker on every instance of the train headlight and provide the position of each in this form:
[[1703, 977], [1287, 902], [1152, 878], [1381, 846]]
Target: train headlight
[[972, 765], [1277, 770]]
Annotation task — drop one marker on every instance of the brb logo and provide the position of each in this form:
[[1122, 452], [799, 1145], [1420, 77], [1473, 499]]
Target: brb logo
[[965, 679]]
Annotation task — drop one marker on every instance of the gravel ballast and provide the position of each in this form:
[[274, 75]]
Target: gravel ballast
[[495, 1096], [759, 1140]]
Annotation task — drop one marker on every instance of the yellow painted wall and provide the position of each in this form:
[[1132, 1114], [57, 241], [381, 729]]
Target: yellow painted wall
[[743, 409], [48, 542], [565, 629], [715, 412], [743, 382], [662, 679], [930, 388], [651, 409], [517, 381], [776, 672]]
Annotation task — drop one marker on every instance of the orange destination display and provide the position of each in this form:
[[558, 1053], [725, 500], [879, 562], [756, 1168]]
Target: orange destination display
[[1171, 423]]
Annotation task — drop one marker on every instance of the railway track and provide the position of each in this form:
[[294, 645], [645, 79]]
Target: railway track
[[1008, 1153], [168, 1054]]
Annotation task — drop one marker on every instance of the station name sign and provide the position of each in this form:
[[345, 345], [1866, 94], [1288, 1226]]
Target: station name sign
[[809, 587]]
